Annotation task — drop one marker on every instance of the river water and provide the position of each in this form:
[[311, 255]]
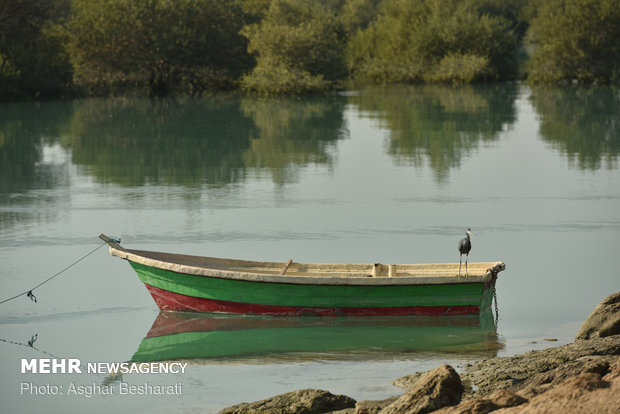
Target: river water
[[391, 175]]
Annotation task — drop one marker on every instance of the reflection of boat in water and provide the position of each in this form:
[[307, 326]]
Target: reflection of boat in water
[[224, 337]]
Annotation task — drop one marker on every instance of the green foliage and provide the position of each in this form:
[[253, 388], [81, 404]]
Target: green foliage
[[357, 14], [32, 58], [380, 52], [283, 80], [576, 40], [298, 47], [410, 40], [459, 69], [51, 48], [516, 12], [156, 44]]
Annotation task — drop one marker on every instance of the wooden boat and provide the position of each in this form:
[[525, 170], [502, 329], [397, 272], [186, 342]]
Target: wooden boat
[[198, 336], [206, 284]]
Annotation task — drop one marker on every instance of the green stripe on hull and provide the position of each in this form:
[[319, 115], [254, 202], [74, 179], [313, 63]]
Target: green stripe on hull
[[283, 294]]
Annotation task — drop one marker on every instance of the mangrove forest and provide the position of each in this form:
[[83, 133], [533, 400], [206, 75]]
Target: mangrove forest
[[70, 48]]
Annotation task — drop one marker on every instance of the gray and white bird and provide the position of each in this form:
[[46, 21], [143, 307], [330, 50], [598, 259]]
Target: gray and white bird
[[464, 249]]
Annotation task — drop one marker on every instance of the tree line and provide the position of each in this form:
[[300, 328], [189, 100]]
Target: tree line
[[56, 48]]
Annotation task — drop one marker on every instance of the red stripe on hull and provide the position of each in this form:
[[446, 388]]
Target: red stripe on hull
[[170, 301]]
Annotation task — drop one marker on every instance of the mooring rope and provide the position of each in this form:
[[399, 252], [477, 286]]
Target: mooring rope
[[496, 307], [29, 293]]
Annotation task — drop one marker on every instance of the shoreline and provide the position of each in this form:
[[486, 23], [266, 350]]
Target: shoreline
[[581, 376]]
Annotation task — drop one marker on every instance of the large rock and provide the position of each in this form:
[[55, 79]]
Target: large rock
[[307, 401], [585, 393], [604, 319], [614, 371], [435, 389], [499, 399], [541, 368], [373, 406]]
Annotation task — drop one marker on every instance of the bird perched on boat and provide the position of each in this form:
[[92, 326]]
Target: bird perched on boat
[[464, 249]]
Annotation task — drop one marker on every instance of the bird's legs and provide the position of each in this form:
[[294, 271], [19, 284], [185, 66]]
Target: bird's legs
[[466, 257], [460, 261]]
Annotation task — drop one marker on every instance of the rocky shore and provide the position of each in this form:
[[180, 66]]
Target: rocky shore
[[580, 377]]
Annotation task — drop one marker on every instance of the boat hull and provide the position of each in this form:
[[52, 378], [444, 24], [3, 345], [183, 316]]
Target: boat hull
[[187, 283], [174, 291]]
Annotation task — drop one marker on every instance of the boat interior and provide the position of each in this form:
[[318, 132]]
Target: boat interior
[[292, 268]]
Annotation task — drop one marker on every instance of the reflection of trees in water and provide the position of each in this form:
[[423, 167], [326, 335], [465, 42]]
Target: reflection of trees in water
[[293, 133], [182, 142], [438, 124], [27, 130], [19, 154], [582, 123], [191, 142], [215, 140]]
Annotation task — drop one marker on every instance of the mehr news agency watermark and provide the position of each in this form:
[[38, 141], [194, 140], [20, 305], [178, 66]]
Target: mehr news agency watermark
[[74, 366]]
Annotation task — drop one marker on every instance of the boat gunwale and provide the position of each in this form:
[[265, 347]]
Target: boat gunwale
[[138, 256]]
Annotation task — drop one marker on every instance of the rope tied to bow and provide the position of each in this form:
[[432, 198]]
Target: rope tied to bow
[[31, 295]]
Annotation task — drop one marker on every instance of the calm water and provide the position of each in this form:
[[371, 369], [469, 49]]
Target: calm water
[[381, 175]]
